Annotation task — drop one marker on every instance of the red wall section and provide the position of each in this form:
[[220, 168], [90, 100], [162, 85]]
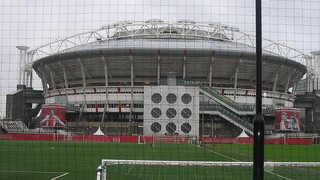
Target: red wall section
[[209, 140], [149, 139]]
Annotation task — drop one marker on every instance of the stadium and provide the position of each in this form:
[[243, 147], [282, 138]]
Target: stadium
[[153, 77], [173, 83]]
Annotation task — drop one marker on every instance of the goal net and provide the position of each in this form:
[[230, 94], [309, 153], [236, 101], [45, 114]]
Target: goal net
[[168, 86], [157, 169], [166, 139]]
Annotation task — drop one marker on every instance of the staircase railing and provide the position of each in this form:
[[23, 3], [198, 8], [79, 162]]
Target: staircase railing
[[230, 116], [224, 99], [232, 105]]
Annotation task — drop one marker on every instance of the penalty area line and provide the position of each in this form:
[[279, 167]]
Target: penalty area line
[[38, 172], [60, 176]]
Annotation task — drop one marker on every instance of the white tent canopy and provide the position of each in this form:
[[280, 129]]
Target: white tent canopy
[[99, 132], [243, 135]]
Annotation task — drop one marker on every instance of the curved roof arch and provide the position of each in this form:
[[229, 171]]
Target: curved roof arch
[[184, 43]]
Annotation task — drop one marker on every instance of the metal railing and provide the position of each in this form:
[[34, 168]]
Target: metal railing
[[233, 117]]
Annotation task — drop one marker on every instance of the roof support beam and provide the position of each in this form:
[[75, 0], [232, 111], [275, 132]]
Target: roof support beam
[[288, 81], [66, 84], [235, 73], [83, 68], [69, 72], [131, 88], [43, 78], [54, 74], [236, 69], [106, 69], [53, 83], [184, 64], [271, 76], [158, 68], [294, 79], [275, 82], [236, 79], [131, 67], [44, 84], [84, 84], [82, 107], [210, 70]]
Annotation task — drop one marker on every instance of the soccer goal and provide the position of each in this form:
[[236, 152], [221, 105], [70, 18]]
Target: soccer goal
[[157, 169], [75, 136], [166, 139]]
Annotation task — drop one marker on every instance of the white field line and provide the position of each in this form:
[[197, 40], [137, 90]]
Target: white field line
[[60, 176], [39, 172], [219, 154], [283, 177]]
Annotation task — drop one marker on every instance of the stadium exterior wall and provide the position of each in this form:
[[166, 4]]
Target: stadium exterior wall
[[150, 139], [110, 76]]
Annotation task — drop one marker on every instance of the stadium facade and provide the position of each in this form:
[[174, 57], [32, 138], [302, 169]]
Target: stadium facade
[[153, 77]]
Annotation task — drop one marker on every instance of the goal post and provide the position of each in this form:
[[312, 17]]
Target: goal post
[[102, 170]]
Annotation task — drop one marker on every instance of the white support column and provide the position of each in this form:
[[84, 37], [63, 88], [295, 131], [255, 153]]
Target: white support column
[[106, 68], [22, 63], [65, 77], [131, 102], [44, 84], [84, 84], [236, 77], [210, 70], [275, 82], [53, 83], [309, 87], [83, 106], [29, 69], [66, 84], [158, 75], [235, 74], [294, 88], [43, 80], [184, 64], [310, 73], [316, 70], [105, 65], [288, 82], [131, 67], [31, 77], [236, 82]]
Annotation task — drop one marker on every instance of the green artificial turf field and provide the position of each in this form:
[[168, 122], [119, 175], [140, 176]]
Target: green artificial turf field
[[79, 160]]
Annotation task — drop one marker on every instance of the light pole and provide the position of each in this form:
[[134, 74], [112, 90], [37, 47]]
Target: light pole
[[258, 132]]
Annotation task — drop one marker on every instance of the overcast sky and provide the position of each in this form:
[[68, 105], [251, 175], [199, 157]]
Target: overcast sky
[[36, 22]]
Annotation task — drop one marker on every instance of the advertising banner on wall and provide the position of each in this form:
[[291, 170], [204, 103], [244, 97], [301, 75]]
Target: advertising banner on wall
[[53, 115], [287, 119]]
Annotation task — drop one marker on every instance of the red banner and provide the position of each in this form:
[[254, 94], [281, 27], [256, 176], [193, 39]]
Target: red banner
[[53, 115], [287, 119], [149, 139]]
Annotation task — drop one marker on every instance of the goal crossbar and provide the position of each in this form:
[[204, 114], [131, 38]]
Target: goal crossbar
[[102, 169], [106, 162]]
